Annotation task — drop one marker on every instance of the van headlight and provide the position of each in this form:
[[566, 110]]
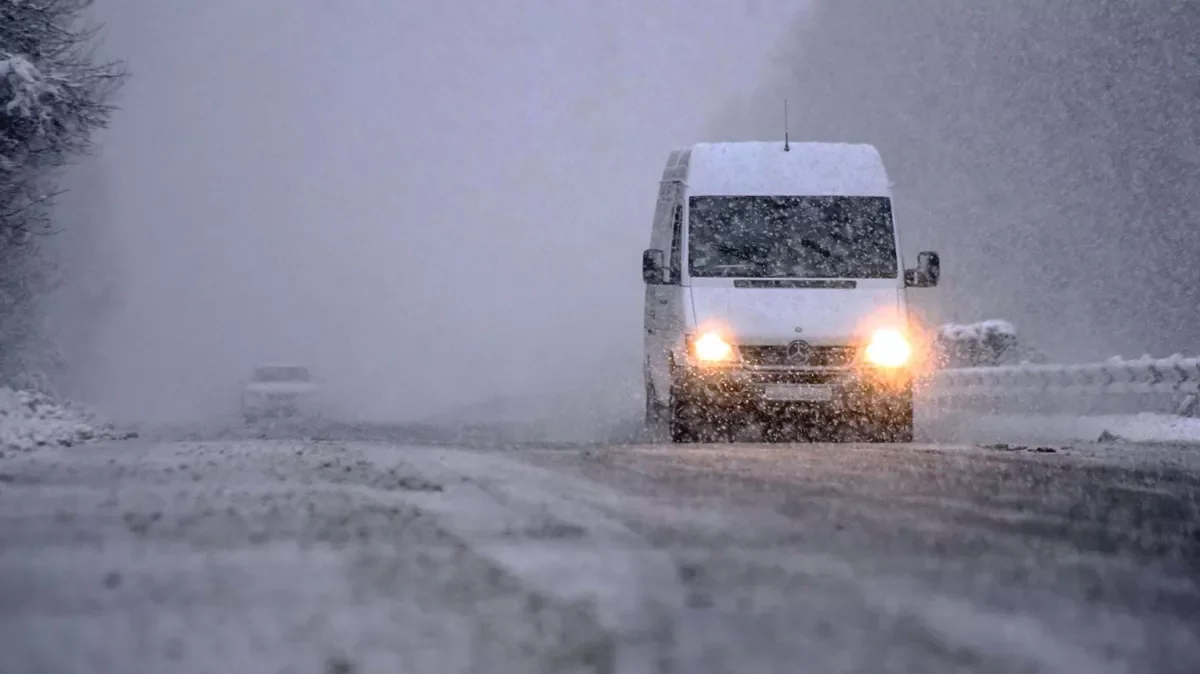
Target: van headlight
[[888, 348], [711, 348]]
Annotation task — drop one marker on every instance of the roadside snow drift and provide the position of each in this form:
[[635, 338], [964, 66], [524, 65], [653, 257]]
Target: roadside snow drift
[[29, 419], [1134, 428], [984, 344]]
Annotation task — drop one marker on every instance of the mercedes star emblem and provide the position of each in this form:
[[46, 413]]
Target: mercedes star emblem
[[798, 352]]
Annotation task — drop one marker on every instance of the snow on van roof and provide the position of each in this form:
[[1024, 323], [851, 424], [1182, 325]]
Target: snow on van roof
[[763, 168]]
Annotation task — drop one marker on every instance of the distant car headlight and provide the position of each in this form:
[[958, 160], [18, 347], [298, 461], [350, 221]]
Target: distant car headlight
[[710, 347], [888, 348]]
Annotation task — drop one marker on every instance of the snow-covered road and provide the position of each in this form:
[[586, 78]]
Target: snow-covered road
[[920, 558], [283, 556], [366, 552]]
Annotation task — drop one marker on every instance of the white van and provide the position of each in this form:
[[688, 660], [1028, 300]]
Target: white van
[[775, 284]]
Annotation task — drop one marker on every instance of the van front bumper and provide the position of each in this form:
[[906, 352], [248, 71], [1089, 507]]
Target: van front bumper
[[768, 388]]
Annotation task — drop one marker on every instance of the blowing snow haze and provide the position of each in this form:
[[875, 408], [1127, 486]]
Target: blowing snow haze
[[1049, 150], [440, 209], [439, 204], [431, 204]]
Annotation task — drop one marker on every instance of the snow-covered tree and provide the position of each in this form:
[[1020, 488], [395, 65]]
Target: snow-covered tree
[[53, 97]]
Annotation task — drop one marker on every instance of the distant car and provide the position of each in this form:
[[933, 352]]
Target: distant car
[[278, 390]]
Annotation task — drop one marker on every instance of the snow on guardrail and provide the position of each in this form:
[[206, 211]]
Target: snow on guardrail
[[1176, 374], [986, 366]]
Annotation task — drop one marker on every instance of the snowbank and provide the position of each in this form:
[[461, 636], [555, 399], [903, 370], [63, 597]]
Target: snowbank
[[1135, 428], [981, 330], [983, 344], [29, 419], [1150, 428]]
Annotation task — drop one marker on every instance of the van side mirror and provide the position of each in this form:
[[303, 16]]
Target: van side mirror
[[928, 271], [652, 266]]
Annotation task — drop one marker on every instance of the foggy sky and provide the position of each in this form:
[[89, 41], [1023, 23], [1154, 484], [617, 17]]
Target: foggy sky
[[444, 203], [1049, 149], [430, 203]]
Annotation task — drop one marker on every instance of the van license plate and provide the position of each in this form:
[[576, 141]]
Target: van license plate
[[798, 392]]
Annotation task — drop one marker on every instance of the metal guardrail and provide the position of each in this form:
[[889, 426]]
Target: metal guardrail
[[1168, 375], [1167, 384]]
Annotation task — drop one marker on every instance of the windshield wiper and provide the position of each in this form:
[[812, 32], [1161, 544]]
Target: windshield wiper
[[812, 245], [745, 258]]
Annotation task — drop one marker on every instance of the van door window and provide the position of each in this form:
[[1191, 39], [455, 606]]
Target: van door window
[[677, 244]]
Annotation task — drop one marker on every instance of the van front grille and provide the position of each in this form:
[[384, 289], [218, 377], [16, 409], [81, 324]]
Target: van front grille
[[777, 355]]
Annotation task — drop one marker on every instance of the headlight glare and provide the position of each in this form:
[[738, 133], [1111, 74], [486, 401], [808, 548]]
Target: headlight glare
[[710, 347], [888, 348]]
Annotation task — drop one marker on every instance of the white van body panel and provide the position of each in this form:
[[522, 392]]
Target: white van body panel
[[667, 306], [771, 316], [669, 311], [808, 169], [762, 316]]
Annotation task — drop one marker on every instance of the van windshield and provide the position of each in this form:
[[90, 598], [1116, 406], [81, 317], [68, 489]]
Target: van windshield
[[791, 237]]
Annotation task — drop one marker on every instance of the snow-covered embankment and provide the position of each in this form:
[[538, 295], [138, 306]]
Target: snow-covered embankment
[[29, 419]]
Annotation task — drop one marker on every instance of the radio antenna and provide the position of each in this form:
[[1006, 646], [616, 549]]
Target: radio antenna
[[786, 147]]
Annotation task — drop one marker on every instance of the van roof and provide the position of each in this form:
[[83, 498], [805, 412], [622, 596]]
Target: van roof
[[763, 168]]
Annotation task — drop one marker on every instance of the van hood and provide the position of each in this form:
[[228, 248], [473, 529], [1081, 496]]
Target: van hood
[[839, 316]]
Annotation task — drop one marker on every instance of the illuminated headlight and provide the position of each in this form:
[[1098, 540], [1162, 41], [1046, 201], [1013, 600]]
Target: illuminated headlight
[[888, 348], [711, 348]]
